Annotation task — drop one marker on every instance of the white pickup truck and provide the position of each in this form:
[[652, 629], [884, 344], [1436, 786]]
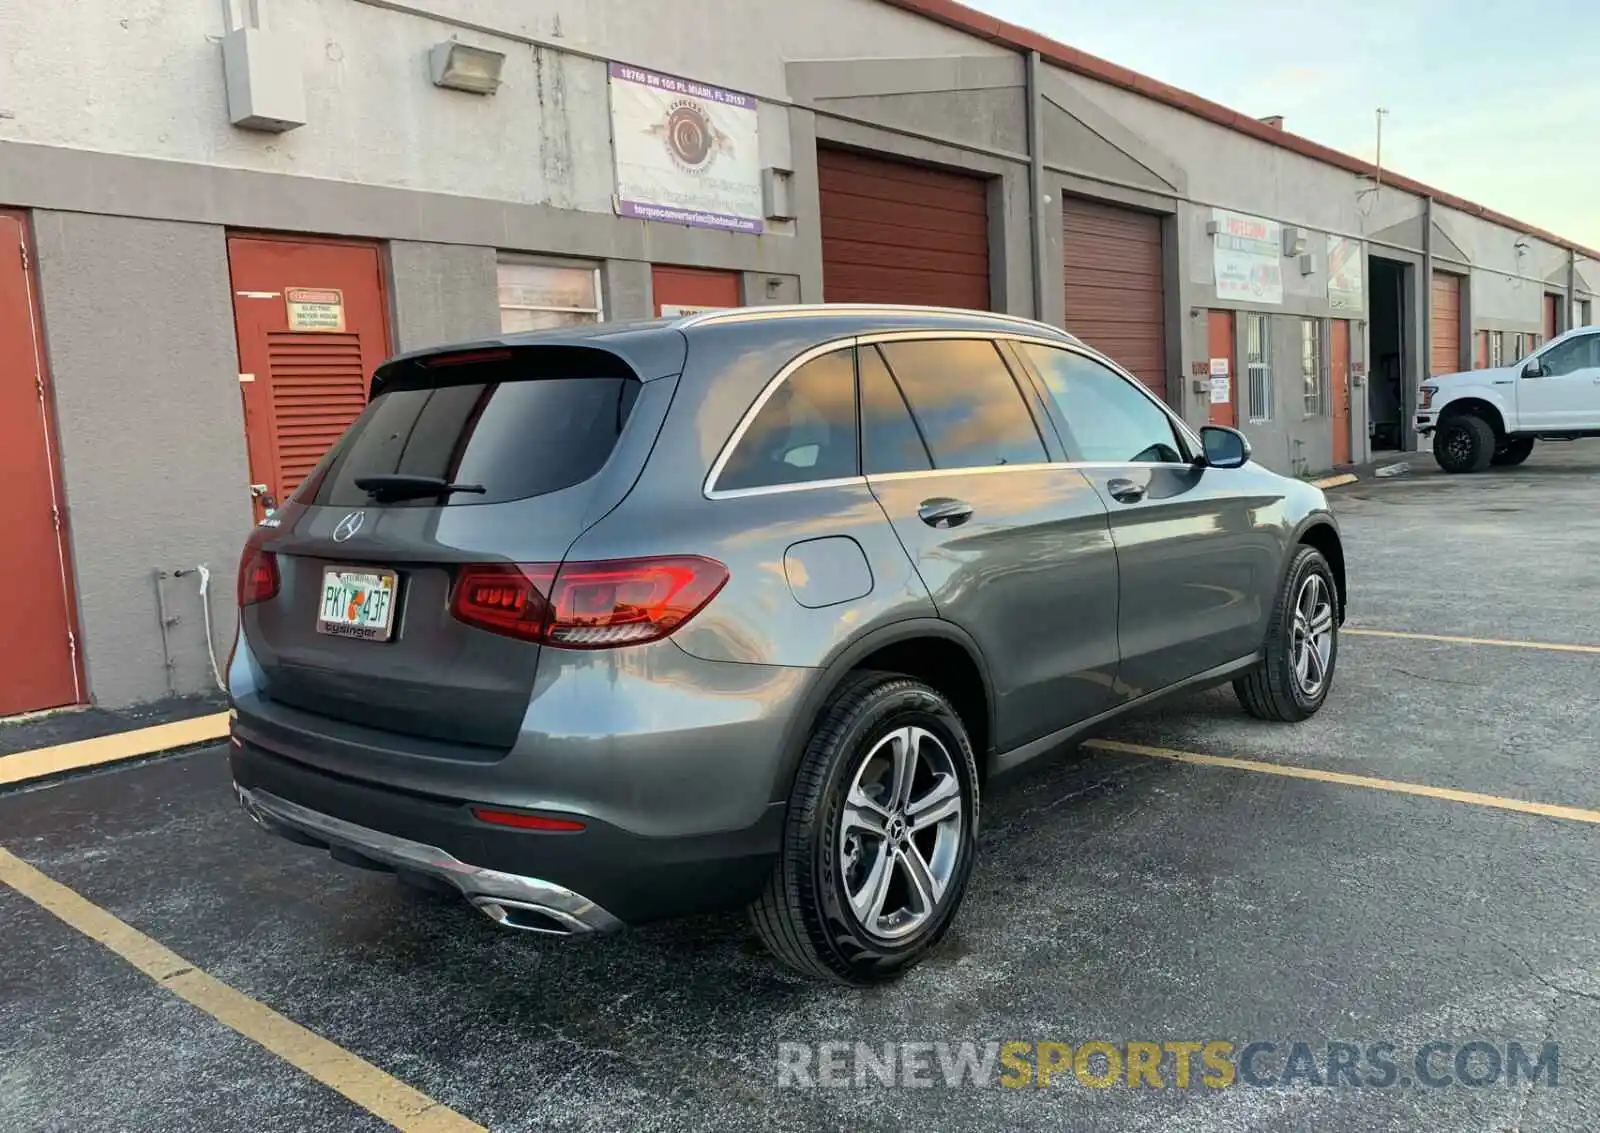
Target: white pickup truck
[[1485, 417]]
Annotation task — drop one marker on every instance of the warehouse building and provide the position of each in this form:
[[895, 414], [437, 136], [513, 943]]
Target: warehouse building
[[224, 215]]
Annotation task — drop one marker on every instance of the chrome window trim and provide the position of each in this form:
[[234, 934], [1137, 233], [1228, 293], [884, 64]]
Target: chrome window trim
[[711, 492]]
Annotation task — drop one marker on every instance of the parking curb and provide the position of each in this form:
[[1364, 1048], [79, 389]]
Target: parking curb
[[1336, 481], [44, 762]]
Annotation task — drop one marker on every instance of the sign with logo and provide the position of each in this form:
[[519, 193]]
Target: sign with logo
[[1345, 291], [315, 308], [1247, 258], [686, 153]]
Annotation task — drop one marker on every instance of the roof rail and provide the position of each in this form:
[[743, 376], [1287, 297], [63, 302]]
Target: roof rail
[[739, 314]]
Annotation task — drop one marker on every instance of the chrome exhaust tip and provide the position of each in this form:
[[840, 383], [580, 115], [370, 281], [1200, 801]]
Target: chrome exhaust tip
[[526, 917]]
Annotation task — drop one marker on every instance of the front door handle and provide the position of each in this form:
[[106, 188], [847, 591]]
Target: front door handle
[[1125, 491], [941, 511]]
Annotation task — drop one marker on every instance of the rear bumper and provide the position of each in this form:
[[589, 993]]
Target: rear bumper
[[597, 879], [510, 898]]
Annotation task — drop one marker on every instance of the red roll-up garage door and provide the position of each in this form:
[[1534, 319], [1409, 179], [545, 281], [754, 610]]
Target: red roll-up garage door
[[1111, 270], [893, 232], [1446, 345]]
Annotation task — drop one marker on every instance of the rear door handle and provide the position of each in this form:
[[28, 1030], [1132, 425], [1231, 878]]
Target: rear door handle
[[941, 511], [1125, 491]]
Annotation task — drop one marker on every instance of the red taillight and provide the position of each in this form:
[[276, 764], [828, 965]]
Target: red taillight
[[258, 576], [525, 821], [599, 605]]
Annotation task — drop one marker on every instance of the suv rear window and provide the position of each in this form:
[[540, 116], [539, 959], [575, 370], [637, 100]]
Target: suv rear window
[[501, 423]]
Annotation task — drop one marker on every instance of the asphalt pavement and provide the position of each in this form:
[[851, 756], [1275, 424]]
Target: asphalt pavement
[[1119, 898]]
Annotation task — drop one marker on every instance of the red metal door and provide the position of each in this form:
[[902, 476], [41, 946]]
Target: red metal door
[[312, 322], [682, 291], [1219, 332], [1480, 356], [1339, 392], [1552, 316], [38, 662]]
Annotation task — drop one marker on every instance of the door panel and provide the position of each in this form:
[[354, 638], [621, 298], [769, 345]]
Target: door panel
[[1445, 356], [1567, 396], [685, 291], [1032, 575], [38, 668], [1196, 572], [303, 387], [1219, 330], [1339, 391], [894, 232], [1114, 286], [1013, 549]]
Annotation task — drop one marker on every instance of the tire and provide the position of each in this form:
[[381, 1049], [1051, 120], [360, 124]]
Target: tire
[[1278, 688], [806, 917], [1465, 443], [1515, 452]]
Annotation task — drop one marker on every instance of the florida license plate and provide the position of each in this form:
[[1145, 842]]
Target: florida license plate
[[357, 603]]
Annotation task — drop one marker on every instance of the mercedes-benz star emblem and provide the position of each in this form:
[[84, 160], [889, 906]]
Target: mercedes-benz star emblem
[[349, 525]]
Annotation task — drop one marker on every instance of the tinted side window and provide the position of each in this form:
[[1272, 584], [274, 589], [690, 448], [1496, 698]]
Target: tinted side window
[[1574, 354], [965, 402], [889, 438], [806, 430], [1108, 419]]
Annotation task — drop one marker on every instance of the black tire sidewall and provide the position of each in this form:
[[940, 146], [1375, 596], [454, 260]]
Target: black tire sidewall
[[1310, 561], [890, 706], [1480, 436]]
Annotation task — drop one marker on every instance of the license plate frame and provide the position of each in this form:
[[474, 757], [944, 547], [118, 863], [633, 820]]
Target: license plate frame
[[369, 582]]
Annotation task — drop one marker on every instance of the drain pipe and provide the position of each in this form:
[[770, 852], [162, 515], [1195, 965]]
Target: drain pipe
[[1041, 244]]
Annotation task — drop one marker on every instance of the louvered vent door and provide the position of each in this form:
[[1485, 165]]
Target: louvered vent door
[[319, 387], [312, 326]]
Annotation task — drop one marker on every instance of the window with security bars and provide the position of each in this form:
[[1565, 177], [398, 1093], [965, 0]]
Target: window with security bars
[[1496, 348], [1258, 367], [1312, 377]]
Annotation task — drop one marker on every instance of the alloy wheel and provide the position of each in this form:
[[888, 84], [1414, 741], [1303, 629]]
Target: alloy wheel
[[900, 832], [1458, 445], [1313, 630]]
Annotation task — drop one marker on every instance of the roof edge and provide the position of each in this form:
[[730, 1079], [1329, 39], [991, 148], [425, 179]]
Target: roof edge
[[963, 18]]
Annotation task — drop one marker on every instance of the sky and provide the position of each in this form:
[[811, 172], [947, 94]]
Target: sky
[[1492, 101]]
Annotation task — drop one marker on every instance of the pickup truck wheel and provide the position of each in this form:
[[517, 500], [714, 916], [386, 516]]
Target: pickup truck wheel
[[1464, 443], [1292, 680], [1515, 452], [880, 835]]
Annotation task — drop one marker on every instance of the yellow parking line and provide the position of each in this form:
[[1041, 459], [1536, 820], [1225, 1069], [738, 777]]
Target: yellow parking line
[[36, 764], [1553, 646], [1449, 794], [379, 1094]]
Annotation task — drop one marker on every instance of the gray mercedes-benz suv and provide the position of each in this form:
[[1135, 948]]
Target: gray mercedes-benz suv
[[623, 622]]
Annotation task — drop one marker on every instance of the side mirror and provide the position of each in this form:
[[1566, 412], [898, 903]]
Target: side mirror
[[1533, 369], [1224, 448]]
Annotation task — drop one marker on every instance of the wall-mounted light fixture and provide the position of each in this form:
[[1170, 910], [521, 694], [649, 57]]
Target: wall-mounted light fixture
[[458, 66]]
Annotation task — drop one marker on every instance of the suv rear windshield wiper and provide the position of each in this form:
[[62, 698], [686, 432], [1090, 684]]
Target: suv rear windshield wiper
[[397, 486]]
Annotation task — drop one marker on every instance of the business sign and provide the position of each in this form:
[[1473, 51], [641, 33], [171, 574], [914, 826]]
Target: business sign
[[1345, 290], [1247, 258], [686, 153]]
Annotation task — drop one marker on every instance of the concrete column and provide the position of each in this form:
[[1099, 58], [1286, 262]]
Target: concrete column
[[628, 293], [1036, 210], [138, 318], [442, 293]]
